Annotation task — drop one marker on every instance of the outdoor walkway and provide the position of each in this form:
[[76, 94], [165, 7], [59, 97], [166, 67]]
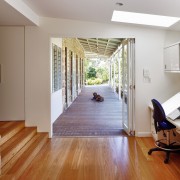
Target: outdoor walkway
[[86, 117]]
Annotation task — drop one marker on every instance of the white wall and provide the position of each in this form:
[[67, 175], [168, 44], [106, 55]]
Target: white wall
[[12, 63], [56, 97], [172, 37], [37, 79], [148, 54]]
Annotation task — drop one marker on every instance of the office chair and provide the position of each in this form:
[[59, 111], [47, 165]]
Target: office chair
[[161, 124]]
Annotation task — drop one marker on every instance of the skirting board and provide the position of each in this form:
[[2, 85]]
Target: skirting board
[[143, 134]]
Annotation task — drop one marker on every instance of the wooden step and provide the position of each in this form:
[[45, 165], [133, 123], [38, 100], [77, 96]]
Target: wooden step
[[9, 129], [9, 165], [29, 153], [18, 141], [7, 177]]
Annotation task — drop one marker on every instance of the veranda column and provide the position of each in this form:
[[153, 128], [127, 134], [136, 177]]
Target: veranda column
[[114, 82], [119, 78], [110, 73]]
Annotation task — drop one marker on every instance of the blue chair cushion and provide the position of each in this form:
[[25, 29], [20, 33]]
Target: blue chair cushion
[[166, 125]]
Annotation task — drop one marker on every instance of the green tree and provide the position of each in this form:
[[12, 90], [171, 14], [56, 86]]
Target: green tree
[[91, 72], [102, 73]]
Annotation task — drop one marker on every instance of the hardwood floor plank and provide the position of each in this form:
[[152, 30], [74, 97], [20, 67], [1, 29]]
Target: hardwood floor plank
[[118, 158]]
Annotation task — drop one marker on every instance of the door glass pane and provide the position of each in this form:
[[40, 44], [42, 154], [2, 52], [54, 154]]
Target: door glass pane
[[125, 86]]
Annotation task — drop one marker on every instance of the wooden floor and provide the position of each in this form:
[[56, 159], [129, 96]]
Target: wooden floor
[[86, 117], [19, 145], [113, 158]]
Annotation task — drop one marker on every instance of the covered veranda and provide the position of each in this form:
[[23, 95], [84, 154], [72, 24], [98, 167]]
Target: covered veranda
[[87, 117]]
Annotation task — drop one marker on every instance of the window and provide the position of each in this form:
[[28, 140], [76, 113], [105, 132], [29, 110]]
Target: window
[[56, 68]]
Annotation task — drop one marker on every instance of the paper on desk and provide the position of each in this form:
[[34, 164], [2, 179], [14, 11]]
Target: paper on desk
[[174, 114]]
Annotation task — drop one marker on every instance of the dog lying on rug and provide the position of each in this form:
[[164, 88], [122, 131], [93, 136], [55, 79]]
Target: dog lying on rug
[[97, 97]]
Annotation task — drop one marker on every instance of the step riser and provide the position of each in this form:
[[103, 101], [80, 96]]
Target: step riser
[[13, 131], [14, 151], [18, 147], [22, 166], [9, 165]]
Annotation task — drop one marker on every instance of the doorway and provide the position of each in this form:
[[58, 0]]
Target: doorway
[[122, 81], [128, 85], [121, 60]]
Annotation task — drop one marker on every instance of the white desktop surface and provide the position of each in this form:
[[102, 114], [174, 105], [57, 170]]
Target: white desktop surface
[[170, 105], [176, 123]]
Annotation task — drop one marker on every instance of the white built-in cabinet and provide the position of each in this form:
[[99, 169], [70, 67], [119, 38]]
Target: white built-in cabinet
[[172, 58]]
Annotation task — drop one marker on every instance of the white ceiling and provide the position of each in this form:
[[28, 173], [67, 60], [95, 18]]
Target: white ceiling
[[88, 10], [101, 10], [10, 16]]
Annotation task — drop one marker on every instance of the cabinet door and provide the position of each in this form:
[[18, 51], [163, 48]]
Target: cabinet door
[[171, 58]]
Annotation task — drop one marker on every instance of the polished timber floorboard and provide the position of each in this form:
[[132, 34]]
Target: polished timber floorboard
[[103, 158], [86, 117]]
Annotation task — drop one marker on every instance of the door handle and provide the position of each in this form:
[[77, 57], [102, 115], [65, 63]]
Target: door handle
[[132, 86]]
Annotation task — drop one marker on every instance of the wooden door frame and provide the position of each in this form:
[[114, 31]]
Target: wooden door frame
[[66, 88], [77, 77]]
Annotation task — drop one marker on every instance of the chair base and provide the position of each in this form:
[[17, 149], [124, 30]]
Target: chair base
[[166, 148]]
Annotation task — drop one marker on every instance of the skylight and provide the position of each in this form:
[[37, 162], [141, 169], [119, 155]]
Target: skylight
[[144, 19]]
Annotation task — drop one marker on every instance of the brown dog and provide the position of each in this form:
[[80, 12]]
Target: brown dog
[[97, 97], [94, 96]]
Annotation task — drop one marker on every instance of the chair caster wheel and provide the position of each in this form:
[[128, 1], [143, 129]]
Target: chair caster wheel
[[166, 161], [149, 152]]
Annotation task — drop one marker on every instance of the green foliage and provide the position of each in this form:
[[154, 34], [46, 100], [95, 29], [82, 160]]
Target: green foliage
[[103, 74], [98, 81], [94, 81], [91, 72], [97, 72]]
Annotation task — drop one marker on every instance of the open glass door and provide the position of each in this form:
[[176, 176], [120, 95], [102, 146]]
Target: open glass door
[[128, 85]]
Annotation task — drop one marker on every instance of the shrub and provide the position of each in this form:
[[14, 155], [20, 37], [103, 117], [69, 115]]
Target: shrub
[[98, 81], [94, 81], [90, 82]]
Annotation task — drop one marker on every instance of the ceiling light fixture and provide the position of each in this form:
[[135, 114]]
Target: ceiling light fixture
[[119, 4], [144, 19]]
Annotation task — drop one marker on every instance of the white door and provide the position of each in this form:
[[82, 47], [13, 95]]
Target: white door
[[128, 85]]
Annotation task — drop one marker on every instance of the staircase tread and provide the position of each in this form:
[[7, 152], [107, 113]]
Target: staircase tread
[[16, 139], [27, 155], [4, 124], [14, 147], [7, 177], [19, 145], [6, 128], [13, 160]]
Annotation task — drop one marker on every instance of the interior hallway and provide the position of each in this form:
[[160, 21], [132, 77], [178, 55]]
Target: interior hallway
[[86, 117]]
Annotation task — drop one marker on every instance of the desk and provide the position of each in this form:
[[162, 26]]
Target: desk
[[176, 123], [171, 104], [168, 106]]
